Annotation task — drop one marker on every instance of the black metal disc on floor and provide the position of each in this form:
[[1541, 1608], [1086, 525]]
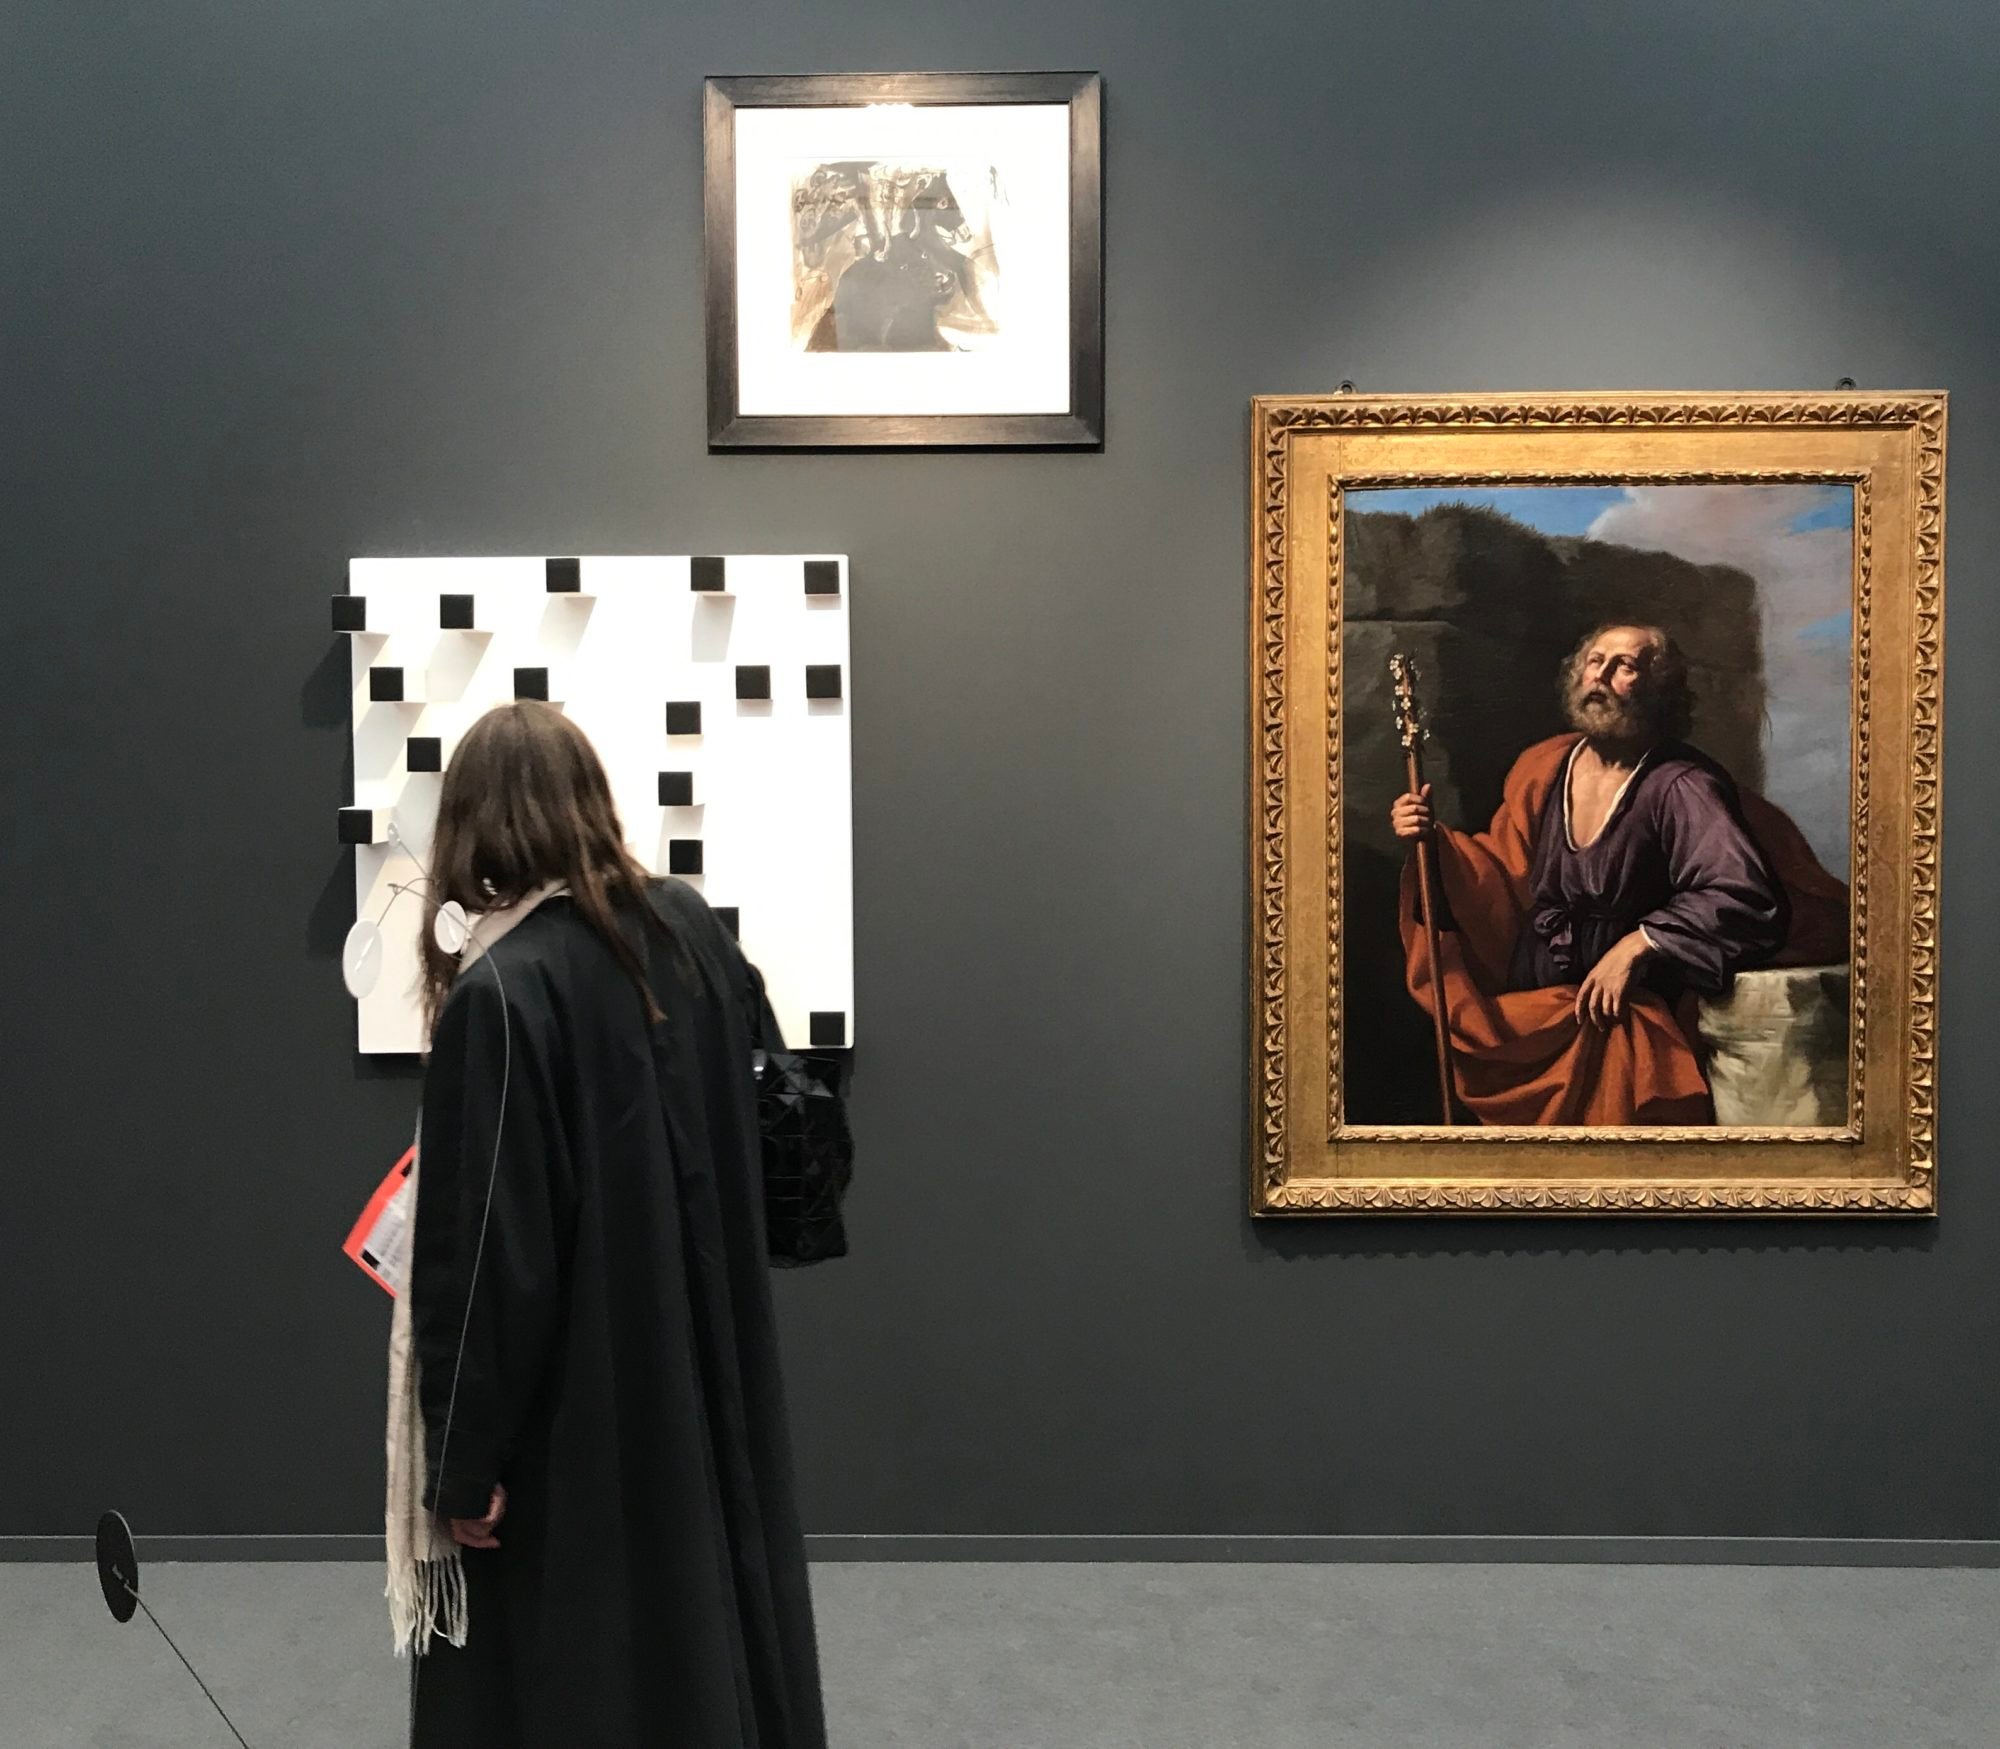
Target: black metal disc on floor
[[117, 1566]]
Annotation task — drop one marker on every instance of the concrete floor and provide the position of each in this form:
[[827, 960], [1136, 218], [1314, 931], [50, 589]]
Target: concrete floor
[[1120, 1657]]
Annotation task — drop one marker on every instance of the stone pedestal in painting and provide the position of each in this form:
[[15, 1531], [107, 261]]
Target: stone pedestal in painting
[[1776, 1047]]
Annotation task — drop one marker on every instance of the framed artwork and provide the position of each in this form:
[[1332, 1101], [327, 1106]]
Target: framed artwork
[[907, 260], [1595, 777], [707, 682]]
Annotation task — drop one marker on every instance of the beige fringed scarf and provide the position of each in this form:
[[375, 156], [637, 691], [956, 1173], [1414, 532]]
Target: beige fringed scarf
[[426, 1586]]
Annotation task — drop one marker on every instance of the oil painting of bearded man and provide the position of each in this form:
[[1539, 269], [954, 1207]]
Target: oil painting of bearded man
[[1621, 874], [1638, 919]]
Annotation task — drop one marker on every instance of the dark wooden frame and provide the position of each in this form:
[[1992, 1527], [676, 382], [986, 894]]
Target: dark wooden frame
[[1082, 427]]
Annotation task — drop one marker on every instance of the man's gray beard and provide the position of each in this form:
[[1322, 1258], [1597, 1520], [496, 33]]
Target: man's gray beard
[[1612, 719]]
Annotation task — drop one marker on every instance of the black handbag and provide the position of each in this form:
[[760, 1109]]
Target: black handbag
[[808, 1153]]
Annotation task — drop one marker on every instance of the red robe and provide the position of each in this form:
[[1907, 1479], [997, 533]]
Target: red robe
[[1522, 1056]]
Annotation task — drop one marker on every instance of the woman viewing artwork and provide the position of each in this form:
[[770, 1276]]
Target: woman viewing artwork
[[592, 1528]]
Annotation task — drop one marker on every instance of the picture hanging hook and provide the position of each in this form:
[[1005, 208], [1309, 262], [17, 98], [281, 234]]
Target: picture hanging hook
[[1845, 383], [1346, 386]]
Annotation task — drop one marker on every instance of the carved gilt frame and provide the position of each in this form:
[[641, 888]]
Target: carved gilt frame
[[1307, 452]]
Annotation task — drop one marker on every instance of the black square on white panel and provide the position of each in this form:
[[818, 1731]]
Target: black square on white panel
[[683, 856], [823, 680], [426, 753], [731, 920], [684, 717], [828, 1029], [350, 613], [676, 789], [385, 685], [822, 576], [708, 576], [455, 613], [563, 576], [531, 683], [753, 682], [357, 825]]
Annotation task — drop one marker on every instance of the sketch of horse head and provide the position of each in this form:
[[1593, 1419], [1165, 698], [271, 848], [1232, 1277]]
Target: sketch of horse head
[[828, 205]]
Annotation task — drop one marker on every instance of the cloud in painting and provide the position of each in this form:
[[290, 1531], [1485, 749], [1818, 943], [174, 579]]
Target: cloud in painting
[[1798, 543]]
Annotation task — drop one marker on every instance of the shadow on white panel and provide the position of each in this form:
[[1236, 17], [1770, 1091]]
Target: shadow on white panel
[[379, 739], [455, 660], [714, 617], [565, 618]]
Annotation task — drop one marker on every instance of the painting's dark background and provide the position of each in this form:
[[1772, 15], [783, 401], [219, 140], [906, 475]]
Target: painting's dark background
[[287, 284]]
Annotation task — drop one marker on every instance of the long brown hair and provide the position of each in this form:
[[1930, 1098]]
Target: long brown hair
[[526, 802]]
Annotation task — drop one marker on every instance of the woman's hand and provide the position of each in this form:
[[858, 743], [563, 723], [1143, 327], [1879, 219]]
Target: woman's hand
[[1606, 991], [1410, 815], [477, 1533]]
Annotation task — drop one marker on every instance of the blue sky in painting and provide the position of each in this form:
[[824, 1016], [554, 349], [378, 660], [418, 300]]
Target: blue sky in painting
[[1835, 509], [1837, 628]]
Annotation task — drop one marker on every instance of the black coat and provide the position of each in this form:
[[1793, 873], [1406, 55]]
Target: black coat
[[619, 1371]]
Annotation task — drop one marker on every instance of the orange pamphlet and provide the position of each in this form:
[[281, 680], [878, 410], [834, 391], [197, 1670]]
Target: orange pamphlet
[[380, 1242]]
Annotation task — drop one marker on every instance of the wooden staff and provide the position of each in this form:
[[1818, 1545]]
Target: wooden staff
[[1410, 732]]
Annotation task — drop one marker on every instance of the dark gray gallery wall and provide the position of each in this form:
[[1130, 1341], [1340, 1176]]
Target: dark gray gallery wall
[[288, 283]]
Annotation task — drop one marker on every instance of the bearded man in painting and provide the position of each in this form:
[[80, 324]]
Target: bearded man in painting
[[1623, 876]]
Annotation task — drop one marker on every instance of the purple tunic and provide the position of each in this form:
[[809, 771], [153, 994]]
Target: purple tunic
[[1675, 858]]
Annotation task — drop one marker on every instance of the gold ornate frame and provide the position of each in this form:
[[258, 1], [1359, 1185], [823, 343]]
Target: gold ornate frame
[[1306, 454]]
